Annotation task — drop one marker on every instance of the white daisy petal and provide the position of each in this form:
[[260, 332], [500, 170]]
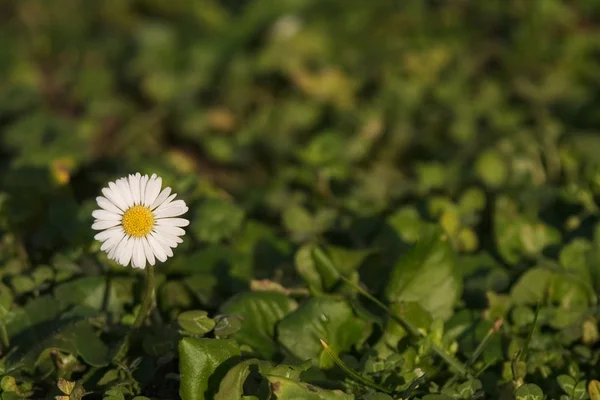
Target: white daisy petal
[[165, 205], [161, 198], [114, 253], [120, 249], [105, 204], [125, 191], [171, 203], [106, 215], [134, 186], [148, 251], [143, 184], [167, 201], [127, 252], [153, 190], [168, 212], [157, 248], [169, 230], [112, 242], [113, 195], [117, 192], [100, 225], [163, 244], [108, 233], [139, 258], [172, 222], [170, 240], [108, 246], [138, 178]]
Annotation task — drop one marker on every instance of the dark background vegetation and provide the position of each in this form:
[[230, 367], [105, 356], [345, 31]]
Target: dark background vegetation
[[443, 155]]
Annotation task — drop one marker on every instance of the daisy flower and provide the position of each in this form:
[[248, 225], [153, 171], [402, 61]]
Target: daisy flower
[[138, 221]]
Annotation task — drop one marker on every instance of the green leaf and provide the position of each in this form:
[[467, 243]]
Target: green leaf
[[531, 287], [431, 175], [471, 200], [227, 325], [287, 389], [579, 393], [427, 274], [535, 237], [529, 392], [77, 338], [575, 257], [216, 220], [307, 269], [116, 393], [290, 371], [196, 321], [519, 235], [327, 270], [346, 260], [261, 312], [325, 148], [491, 168], [22, 284], [90, 292], [201, 360], [43, 274], [38, 310], [91, 349], [394, 332], [9, 384], [109, 376], [572, 294], [522, 316], [325, 317], [407, 222], [11, 396], [469, 388], [298, 220], [232, 385]]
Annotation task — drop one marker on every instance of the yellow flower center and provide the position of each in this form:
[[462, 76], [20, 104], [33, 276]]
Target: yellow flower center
[[138, 221]]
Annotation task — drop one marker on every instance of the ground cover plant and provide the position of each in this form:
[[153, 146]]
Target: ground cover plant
[[387, 199]]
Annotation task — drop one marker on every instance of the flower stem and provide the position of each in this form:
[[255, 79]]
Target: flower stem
[[143, 312]]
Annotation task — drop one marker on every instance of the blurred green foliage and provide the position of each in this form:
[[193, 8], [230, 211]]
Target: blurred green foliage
[[316, 143]]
